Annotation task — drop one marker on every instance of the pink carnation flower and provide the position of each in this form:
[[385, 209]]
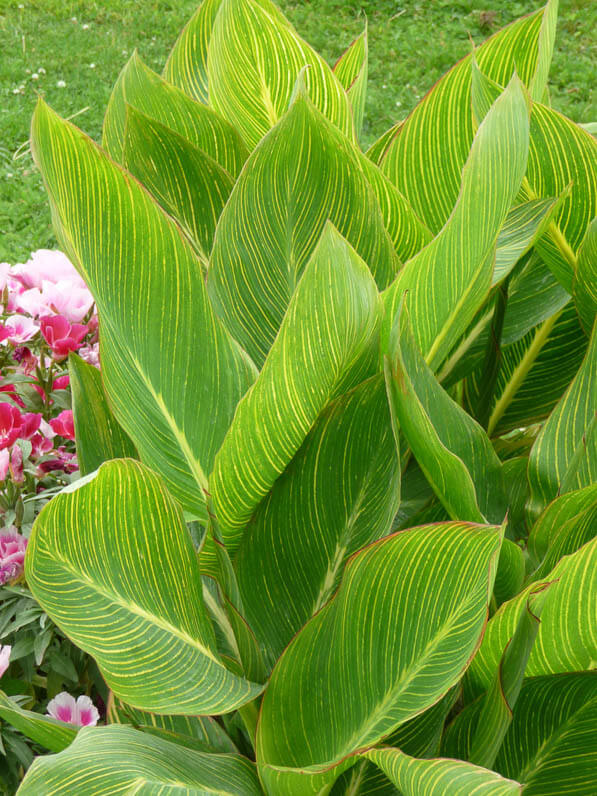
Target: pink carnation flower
[[12, 554], [61, 336], [62, 298], [4, 658], [18, 329], [81, 713], [64, 424], [10, 424]]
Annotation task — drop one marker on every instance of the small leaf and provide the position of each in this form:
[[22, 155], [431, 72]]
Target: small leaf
[[351, 69]]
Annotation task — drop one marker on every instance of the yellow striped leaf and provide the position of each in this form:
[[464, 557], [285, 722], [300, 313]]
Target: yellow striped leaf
[[567, 637], [120, 760], [50, 733], [564, 450], [154, 310], [302, 174], [99, 436], [111, 562], [254, 61], [440, 776], [339, 493], [187, 182], [351, 69], [584, 285], [447, 281], [139, 86], [325, 346], [397, 636]]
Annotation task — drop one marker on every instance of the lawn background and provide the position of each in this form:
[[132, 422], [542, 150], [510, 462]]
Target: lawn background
[[85, 44]]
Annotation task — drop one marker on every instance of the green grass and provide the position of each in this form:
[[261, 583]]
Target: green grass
[[411, 44]]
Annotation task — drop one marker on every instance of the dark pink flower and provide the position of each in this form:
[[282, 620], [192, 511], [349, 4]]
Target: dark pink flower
[[40, 444], [12, 554], [64, 425], [82, 713], [31, 422], [10, 389], [16, 465], [62, 336], [10, 424], [65, 461], [25, 358], [61, 383]]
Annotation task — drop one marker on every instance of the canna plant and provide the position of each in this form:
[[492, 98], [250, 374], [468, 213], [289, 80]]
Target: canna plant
[[336, 527]]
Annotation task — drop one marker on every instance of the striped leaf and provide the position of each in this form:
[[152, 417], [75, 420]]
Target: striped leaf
[[452, 450], [449, 278], [120, 760], [584, 286], [396, 637], [551, 744], [187, 182], [566, 525], [564, 450], [340, 492], [511, 569], [111, 562], [48, 732], [567, 637], [351, 69], [154, 311], [440, 776], [254, 61], [139, 86], [99, 436], [325, 346], [302, 174], [426, 155]]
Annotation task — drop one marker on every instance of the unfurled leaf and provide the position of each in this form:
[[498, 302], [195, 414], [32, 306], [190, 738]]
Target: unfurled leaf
[[246, 84], [155, 315], [325, 346], [98, 434], [111, 562], [351, 69], [148, 93], [50, 733], [119, 760], [397, 636], [339, 493]]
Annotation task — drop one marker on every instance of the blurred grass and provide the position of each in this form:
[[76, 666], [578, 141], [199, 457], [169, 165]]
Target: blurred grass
[[84, 44]]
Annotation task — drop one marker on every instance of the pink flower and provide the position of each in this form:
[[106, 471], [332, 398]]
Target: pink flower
[[4, 463], [4, 658], [64, 424], [10, 424], [81, 713], [12, 554], [18, 329], [31, 422], [16, 465], [61, 383], [45, 264], [90, 353], [62, 298], [65, 461], [61, 336], [10, 389]]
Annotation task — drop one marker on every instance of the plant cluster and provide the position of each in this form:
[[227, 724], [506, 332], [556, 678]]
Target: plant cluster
[[336, 527]]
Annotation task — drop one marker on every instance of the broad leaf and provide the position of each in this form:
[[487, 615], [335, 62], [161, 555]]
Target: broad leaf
[[99, 436], [154, 311], [246, 84], [302, 174], [120, 760], [440, 777], [111, 562], [351, 69], [139, 86], [50, 733], [585, 279], [449, 278], [325, 346], [397, 636], [339, 493]]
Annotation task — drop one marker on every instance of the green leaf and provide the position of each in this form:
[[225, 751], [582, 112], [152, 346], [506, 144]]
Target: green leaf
[[302, 174], [550, 745], [139, 86], [339, 493], [247, 84], [187, 182], [510, 571], [420, 736], [450, 277], [559, 450], [396, 637], [452, 450], [111, 562], [584, 286], [566, 525], [98, 434], [120, 760], [440, 777], [351, 69], [567, 637], [154, 311], [426, 156], [50, 733], [325, 346]]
